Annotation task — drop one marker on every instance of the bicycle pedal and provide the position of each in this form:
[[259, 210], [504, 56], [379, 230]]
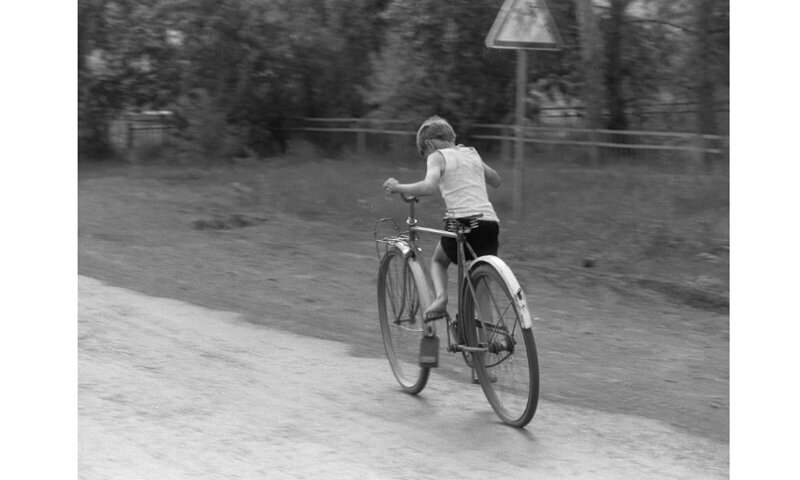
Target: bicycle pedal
[[429, 352], [476, 381]]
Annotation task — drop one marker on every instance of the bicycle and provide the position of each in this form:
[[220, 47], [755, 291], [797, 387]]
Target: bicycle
[[492, 328]]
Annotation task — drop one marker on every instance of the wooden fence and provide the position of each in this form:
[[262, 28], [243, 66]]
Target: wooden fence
[[141, 129], [669, 150]]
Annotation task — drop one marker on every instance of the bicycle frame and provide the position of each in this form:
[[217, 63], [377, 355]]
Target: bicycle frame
[[460, 236]]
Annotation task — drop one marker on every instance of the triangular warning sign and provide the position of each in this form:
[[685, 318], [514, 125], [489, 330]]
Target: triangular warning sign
[[524, 24]]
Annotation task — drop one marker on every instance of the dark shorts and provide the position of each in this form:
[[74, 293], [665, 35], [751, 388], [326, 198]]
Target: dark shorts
[[482, 239]]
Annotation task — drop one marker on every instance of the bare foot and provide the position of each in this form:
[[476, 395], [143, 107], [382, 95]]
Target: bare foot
[[438, 305]]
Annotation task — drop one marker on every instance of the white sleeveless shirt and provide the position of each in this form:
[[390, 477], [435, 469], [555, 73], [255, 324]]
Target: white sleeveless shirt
[[463, 185]]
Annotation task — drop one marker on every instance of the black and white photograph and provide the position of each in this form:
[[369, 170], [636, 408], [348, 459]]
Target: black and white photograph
[[393, 239]]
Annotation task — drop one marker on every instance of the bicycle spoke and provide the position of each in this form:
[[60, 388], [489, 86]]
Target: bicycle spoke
[[500, 313], [508, 367], [499, 324], [399, 306], [391, 288]]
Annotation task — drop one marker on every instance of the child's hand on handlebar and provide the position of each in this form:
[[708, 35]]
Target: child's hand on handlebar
[[390, 185]]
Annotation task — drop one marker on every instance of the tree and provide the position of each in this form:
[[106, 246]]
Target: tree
[[615, 70], [689, 60], [711, 59], [592, 55], [240, 68], [433, 60], [123, 62]]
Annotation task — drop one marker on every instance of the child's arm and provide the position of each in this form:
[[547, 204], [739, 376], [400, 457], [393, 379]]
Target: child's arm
[[492, 177], [428, 186]]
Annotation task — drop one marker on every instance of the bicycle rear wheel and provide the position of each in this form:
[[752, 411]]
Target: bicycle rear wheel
[[403, 295], [508, 365]]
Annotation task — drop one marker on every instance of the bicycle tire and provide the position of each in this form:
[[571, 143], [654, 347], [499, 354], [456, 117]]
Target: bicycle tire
[[403, 295], [508, 368]]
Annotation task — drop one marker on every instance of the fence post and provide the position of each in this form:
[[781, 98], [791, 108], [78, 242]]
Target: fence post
[[593, 148], [161, 127], [129, 137], [505, 143], [361, 139], [699, 153], [130, 141], [519, 143]]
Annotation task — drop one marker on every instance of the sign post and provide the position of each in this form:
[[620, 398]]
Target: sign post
[[519, 132], [522, 25]]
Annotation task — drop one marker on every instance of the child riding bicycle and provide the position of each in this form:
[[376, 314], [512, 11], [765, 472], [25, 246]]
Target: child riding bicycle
[[461, 176]]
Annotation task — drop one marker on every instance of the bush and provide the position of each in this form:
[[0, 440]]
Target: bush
[[204, 130]]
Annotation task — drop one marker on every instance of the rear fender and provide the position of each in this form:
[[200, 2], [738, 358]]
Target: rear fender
[[513, 285]]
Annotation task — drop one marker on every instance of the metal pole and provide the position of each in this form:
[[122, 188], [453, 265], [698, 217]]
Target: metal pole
[[519, 146]]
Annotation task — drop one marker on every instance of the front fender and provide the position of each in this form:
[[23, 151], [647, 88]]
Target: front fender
[[513, 285], [404, 247]]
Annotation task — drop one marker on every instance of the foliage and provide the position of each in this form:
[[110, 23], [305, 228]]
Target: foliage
[[239, 69], [434, 61], [124, 62], [658, 50]]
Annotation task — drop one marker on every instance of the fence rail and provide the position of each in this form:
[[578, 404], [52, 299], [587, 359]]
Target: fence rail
[[671, 150], [682, 150]]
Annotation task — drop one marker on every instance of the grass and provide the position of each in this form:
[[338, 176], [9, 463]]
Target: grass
[[650, 230]]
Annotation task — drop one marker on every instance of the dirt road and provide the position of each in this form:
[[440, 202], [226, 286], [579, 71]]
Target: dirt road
[[172, 390], [634, 383]]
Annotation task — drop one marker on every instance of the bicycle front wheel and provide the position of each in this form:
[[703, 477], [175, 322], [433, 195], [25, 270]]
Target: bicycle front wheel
[[403, 295], [507, 365]]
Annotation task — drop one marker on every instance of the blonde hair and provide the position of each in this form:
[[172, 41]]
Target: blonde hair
[[434, 128]]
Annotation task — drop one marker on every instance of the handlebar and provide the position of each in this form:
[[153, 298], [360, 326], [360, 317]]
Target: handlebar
[[411, 200]]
